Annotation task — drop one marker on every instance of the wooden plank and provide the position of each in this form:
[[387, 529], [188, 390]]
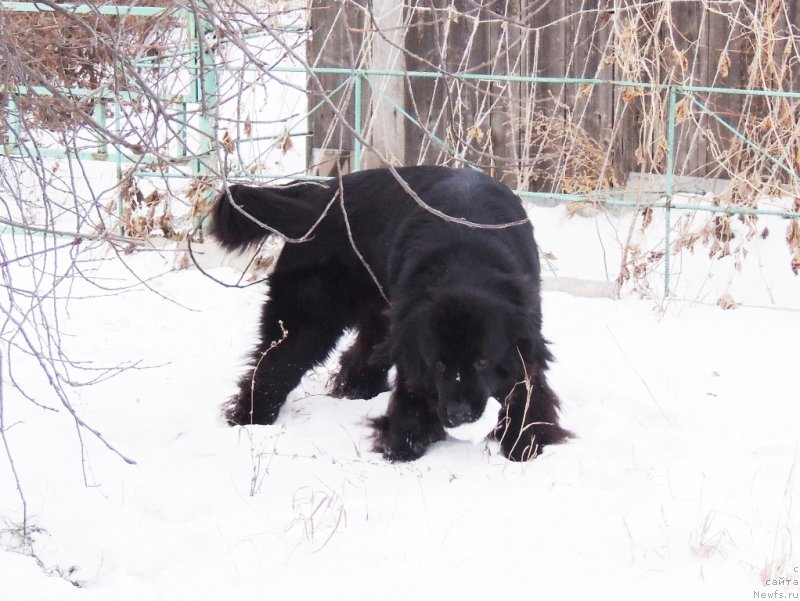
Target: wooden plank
[[786, 71], [422, 94], [466, 52], [793, 30], [793, 18], [459, 56], [445, 36], [588, 43], [336, 42], [686, 57], [523, 99], [729, 55], [505, 38], [629, 140], [384, 122], [544, 109]]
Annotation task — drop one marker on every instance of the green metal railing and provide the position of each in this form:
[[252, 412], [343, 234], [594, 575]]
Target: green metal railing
[[665, 198], [83, 9]]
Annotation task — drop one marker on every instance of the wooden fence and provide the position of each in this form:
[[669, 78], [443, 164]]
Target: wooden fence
[[568, 137]]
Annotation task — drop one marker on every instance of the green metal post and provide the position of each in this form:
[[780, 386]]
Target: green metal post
[[100, 119], [669, 183], [204, 92], [357, 147], [194, 89], [183, 136], [13, 124], [84, 9], [118, 160]]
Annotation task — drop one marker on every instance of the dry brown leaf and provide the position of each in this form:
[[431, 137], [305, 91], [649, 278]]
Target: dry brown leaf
[[152, 199], [726, 302], [724, 64], [286, 143], [661, 150], [722, 229], [793, 234], [647, 217], [227, 143], [582, 209], [629, 93], [476, 133], [683, 110], [165, 223], [260, 265], [641, 159]]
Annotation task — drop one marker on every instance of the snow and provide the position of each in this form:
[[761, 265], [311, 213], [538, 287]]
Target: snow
[[476, 431], [678, 485]]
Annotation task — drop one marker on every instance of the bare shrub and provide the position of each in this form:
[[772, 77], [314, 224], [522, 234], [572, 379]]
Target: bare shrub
[[58, 48]]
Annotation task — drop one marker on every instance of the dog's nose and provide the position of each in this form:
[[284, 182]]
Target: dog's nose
[[458, 413]]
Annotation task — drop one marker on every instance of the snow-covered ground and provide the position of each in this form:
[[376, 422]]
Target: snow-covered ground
[[679, 484]]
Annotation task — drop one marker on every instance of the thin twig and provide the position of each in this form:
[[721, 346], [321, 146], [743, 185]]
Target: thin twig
[[10, 456]]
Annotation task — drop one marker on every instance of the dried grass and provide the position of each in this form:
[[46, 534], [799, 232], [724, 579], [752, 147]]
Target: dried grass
[[706, 541]]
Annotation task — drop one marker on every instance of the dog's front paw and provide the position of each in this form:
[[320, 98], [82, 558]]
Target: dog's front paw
[[520, 450], [397, 446], [348, 385], [404, 452], [527, 444]]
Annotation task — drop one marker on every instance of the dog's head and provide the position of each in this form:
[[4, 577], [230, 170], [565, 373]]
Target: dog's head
[[466, 346], [466, 350]]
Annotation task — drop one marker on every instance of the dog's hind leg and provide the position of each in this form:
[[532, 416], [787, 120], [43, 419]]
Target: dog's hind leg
[[363, 374], [300, 323]]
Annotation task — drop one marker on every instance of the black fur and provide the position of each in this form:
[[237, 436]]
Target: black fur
[[457, 308]]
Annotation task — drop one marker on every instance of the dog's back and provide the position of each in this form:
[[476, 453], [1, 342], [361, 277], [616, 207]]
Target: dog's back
[[244, 215]]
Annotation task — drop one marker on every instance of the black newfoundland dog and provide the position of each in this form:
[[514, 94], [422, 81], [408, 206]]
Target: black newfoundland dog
[[437, 271]]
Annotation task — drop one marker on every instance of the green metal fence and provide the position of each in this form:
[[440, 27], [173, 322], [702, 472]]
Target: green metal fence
[[663, 200], [204, 94]]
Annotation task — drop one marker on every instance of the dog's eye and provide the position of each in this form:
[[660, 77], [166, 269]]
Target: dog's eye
[[481, 364], [440, 367]]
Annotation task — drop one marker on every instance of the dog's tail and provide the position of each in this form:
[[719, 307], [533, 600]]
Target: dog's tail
[[245, 215]]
